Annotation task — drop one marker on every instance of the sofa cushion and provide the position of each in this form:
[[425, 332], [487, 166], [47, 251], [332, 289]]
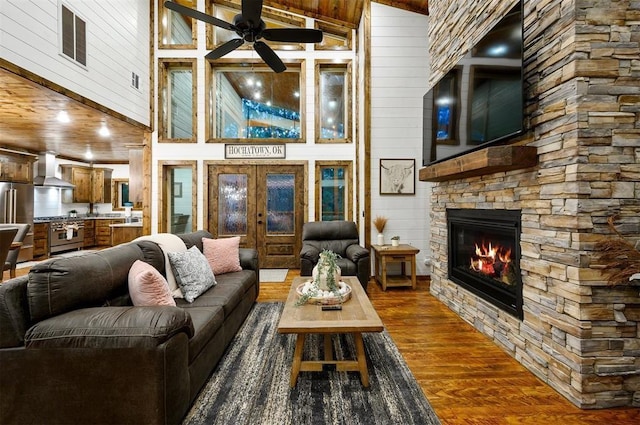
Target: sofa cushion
[[195, 238], [223, 254], [168, 243], [192, 272], [206, 322], [110, 327], [147, 286], [227, 293], [64, 284]]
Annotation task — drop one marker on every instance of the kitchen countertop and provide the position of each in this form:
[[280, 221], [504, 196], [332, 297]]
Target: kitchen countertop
[[132, 224], [79, 217]]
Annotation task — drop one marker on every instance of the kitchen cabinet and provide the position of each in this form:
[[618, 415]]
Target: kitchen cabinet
[[125, 233], [89, 233], [103, 230], [92, 185], [40, 239], [16, 168]]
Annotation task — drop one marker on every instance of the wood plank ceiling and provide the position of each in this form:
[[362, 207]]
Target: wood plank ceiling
[[28, 111]]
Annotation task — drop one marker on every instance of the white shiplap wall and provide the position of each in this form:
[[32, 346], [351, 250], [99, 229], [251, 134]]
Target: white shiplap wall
[[399, 80], [118, 43]]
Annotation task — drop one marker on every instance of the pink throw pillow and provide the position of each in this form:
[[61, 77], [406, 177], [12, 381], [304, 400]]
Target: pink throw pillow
[[147, 286], [223, 254]]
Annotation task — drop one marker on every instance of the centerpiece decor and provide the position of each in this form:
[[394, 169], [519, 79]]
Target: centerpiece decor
[[379, 222], [325, 287]]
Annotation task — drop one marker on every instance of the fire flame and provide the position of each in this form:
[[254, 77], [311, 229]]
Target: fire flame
[[492, 260]]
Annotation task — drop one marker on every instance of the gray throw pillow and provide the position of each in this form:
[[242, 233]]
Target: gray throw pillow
[[192, 271]]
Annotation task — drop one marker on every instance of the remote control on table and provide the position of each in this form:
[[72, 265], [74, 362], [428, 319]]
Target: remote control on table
[[331, 307]]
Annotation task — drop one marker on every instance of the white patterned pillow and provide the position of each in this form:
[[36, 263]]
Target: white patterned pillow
[[192, 271]]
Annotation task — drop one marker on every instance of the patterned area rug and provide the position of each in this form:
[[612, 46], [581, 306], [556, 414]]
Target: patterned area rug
[[273, 275], [251, 383]]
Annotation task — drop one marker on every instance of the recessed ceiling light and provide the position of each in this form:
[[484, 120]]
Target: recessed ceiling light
[[63, 116], [104, 131], [88, 154]]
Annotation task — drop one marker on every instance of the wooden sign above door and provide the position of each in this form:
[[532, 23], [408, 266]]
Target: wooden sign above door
[[252, 150]]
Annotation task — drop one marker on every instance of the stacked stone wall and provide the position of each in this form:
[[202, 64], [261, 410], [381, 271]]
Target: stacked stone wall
[[582, 89]]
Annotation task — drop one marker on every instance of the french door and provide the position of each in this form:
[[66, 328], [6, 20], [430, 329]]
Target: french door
[[263, 204]]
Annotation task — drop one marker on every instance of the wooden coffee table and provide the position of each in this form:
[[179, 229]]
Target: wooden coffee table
[[357, 316]]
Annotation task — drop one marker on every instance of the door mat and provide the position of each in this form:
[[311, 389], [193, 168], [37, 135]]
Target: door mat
[[273, 275]]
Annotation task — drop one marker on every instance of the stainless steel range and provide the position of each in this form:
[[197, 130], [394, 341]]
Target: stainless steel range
[[65, 235]]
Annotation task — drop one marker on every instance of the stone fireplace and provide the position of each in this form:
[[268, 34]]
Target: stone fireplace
[[484, 255], [576, 333]]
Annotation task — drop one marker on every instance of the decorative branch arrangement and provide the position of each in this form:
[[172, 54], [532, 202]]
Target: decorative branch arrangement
[[620, 257], [379, 222]]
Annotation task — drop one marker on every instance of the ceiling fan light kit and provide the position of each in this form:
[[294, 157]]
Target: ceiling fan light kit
[[251, 29]]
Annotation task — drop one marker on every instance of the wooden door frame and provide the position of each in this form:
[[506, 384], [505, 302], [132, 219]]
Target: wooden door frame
[[210, 209], [162, 191]]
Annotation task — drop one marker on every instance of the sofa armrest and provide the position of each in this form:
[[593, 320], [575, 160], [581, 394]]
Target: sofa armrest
[[249, 259], [356, 252], [110, 327]]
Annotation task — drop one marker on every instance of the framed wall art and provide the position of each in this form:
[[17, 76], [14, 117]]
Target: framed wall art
[[397, 176]]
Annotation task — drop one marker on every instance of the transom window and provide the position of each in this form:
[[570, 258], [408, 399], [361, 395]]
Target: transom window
[[271, 17], [255, 103], [176, 30]]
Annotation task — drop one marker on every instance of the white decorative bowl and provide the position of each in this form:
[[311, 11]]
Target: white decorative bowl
[[328, 298]]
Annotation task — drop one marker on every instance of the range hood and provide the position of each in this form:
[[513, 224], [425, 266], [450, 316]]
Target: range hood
[[47, 173]]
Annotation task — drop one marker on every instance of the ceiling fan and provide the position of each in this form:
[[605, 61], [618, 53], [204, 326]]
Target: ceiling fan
[[251, 28]]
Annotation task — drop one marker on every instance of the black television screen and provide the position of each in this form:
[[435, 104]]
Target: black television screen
[[480, 101]]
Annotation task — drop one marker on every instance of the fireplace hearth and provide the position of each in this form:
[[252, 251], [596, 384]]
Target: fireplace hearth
[[484, 255]]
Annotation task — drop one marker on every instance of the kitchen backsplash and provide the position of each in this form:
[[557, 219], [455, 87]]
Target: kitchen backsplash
[[48, 203]]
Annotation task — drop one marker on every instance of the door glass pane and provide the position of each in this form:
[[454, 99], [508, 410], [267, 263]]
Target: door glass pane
[[333, 193], [280, 203], [181, 200], [232, 204]]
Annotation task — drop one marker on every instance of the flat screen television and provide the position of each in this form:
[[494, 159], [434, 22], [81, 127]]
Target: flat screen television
[[480, 101]]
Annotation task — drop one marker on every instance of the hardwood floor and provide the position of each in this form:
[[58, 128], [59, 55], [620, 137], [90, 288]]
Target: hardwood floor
[[467, 379]]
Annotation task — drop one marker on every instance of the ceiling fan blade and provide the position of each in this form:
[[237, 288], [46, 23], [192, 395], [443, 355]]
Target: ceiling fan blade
[[295, 35], [225, 48], [251, 11], [198, 15], [269, 56]]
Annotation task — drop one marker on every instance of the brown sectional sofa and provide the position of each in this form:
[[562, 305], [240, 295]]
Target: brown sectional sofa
[[74, 350]]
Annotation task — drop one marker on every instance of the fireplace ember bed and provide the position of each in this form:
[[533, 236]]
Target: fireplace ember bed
[[484, 255]]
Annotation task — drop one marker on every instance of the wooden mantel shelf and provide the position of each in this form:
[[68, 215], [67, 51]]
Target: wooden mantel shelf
[[490, 160]]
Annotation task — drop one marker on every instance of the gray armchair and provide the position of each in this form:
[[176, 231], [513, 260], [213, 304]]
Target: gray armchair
[[340, 237]]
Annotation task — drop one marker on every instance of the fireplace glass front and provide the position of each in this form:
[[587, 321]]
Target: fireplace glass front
[[484, 255]]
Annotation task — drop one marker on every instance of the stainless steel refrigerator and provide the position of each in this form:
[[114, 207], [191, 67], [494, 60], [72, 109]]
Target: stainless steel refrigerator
[[16, 206]]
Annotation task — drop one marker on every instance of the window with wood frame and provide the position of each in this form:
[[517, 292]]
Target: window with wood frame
[[73, 30], [273, 18], [333, 102], [333, 190], [333, 37], [251, 102], [177, 109], [175, 30]]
